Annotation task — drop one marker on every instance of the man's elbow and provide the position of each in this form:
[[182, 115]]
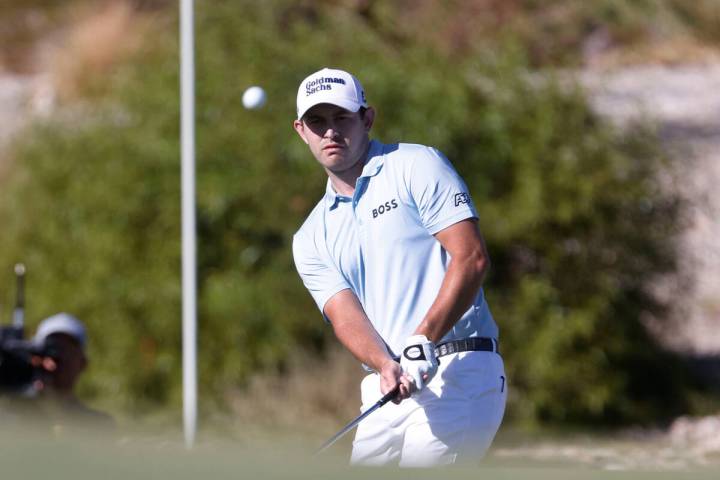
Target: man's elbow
[[479, 265]]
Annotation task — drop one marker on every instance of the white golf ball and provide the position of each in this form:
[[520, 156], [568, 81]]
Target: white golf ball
[[254, 98]]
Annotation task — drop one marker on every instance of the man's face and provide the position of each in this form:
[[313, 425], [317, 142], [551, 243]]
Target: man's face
[[337, 137], [68, 358]]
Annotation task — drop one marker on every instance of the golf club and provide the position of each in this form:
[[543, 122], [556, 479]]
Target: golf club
[[385, 399]]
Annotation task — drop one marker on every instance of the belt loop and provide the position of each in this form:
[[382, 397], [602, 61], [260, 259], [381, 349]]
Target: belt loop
[[495, 344]]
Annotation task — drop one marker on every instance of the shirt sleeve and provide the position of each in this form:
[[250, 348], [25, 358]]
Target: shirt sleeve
[[441, 196], [318, 274]]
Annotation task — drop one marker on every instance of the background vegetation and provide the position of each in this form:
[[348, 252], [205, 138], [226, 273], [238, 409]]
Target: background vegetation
[[576, 222]]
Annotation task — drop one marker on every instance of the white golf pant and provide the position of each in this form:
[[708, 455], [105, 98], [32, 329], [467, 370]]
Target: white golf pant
[[453, 420]]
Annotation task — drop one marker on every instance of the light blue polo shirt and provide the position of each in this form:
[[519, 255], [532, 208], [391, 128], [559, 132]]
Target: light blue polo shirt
[[380, 242]]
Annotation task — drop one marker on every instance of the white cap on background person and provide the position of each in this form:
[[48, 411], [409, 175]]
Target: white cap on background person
[[336, 87], [61, 323]]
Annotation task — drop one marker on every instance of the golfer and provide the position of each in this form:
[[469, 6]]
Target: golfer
[[394, 259]]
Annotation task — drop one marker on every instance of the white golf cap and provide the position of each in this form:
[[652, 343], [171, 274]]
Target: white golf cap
[[328, 85], [61, 323]]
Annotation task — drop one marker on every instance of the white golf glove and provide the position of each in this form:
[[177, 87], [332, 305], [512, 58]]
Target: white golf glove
[[418, 359]]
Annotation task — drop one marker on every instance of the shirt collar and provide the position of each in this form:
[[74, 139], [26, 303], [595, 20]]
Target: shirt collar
[[332, 198], [373, 165], [375, 159]]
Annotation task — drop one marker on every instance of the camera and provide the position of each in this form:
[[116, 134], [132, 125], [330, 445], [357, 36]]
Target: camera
[[17, 372]]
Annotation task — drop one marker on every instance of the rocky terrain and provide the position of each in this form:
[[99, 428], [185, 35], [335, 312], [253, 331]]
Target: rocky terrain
[[684, 102], [21, 98]]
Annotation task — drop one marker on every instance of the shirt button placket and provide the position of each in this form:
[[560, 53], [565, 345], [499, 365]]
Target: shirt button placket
[[359, 184]]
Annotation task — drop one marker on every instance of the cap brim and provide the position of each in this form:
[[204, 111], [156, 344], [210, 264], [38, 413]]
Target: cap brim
[[349, 105]]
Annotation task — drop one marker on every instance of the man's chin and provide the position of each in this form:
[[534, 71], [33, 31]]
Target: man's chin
[[336, 163], [339, 164]]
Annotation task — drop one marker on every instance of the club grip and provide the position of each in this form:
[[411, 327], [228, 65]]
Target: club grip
[[389, 396]]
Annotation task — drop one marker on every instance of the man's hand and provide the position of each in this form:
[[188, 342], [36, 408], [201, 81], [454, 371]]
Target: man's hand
[[418, 361], [391, 376], [47, 367]]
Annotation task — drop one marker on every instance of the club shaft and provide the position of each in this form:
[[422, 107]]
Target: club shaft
[[385, 399]]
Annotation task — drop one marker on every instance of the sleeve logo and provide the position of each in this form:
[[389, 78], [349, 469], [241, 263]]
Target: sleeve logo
[[461, 198]]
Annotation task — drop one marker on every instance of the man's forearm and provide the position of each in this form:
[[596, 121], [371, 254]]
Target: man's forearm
[[354, 330], [463, 279], [459, 288]]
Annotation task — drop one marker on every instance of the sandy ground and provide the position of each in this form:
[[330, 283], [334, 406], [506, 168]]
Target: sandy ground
[[689, 444]]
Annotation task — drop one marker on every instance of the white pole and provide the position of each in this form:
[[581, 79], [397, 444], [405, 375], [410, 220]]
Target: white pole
[[189, 249]]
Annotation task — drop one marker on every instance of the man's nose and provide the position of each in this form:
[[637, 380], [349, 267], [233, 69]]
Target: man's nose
[[331, 131]]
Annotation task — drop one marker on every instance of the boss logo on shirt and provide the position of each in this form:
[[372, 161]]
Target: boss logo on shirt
[[386, 207], [461, 198]]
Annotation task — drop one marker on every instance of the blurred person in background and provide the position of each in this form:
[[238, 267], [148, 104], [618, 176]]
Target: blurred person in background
[[62, 339]]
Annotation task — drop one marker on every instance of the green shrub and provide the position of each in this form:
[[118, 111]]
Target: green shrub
[[576, 224]]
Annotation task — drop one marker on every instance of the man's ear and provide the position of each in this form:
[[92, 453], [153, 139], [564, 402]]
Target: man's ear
[[300, 129], [369, 118]]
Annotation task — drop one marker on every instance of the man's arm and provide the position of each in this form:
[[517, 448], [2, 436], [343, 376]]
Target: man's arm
[[354, 330], [469, 262]]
